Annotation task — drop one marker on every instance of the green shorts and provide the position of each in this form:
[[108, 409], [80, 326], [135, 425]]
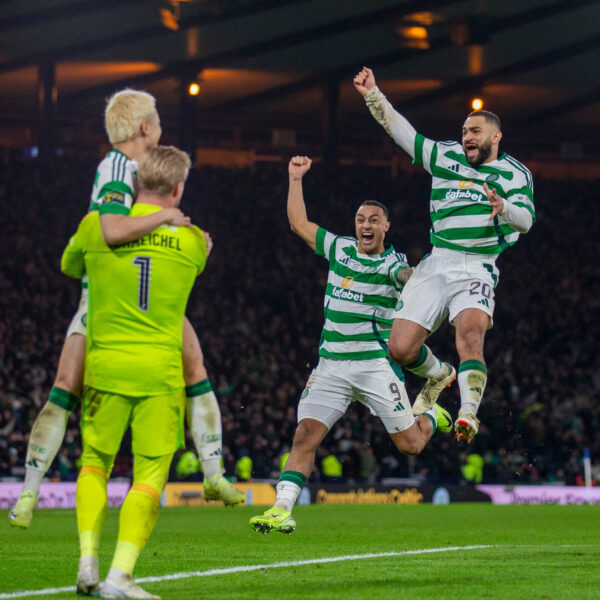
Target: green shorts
[[156, 421]]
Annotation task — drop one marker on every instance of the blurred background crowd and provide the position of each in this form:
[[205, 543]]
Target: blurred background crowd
[[258, 311]]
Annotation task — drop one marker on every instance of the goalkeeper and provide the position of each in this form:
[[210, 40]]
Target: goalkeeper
[[133, 126], [133, 371]]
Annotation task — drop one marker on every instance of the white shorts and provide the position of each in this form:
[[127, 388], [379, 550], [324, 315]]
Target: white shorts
[[78, 322], [334, 384], [445, 283]]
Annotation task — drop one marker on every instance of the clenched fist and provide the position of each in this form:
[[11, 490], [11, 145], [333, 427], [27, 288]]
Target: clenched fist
[[364, 81], [298, 166]]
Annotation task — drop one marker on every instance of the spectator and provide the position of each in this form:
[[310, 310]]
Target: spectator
[[259, 321]]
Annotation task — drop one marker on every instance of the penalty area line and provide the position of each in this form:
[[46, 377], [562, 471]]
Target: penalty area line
[[248, 568]]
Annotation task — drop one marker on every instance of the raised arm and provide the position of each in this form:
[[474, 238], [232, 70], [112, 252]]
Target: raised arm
[[119, 228], [401, 131], [296, 209]]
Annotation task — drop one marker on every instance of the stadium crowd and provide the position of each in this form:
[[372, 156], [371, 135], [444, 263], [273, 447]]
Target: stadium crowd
[[258, 311]]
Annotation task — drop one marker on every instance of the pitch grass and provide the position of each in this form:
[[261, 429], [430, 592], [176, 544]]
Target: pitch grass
[[539, 552]]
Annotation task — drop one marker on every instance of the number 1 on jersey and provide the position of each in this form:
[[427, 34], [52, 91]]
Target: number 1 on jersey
[[143, 262]]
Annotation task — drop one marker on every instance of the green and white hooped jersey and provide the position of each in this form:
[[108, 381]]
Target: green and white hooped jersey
[[113, 187], [459, 208], [361, 295], [114, 184]]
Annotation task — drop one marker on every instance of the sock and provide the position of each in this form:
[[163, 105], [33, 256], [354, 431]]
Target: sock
[[428, 365], [33, 479], [472, 377], [91, 498], [91, 501], [46, 436], [211, 467], [140, 509], [204, 420], [288, 489], [126, 555], [136, 521], [432, 414], [89, 542]]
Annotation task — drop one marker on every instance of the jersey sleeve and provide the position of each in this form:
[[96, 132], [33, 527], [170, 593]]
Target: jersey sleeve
[[425, 153], [115, 197], [421, 149], [523, 196], [72, 262], [201, 253], [518, 211], [400, 265], [325, 243], [117, 185]]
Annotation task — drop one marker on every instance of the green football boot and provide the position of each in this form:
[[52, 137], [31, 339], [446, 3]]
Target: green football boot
[[22, 512], [444, 420], [274, 519], [218, 488]]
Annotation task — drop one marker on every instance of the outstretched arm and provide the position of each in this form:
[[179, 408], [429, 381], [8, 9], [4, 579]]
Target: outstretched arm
[[296, 209], [402, 132], [118, 228]]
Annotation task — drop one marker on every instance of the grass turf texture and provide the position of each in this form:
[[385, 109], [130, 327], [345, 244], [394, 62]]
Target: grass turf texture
[[545, 552]]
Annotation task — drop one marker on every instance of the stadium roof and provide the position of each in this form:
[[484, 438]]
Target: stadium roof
[[287, 65]]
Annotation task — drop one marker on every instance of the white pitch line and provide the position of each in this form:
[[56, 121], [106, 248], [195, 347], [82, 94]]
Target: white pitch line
[[245, 569]]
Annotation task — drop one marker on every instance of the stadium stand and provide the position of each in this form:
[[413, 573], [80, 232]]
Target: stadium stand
[[257, 310]]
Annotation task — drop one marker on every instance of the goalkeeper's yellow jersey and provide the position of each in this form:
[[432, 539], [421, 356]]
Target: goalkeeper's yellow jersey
[[138, 295]]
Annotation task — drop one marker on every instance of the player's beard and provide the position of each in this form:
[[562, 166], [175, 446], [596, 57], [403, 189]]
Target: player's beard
[[485, 150]]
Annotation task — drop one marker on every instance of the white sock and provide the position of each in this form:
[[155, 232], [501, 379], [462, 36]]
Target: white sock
[[204, 421], [33, 480], [432, 414], [44, 442], [428, 365], [211, 466], [471, 383], [287, 494]]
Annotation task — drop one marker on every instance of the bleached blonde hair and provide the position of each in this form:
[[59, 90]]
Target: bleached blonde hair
[[125, 112], [161, 169]]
